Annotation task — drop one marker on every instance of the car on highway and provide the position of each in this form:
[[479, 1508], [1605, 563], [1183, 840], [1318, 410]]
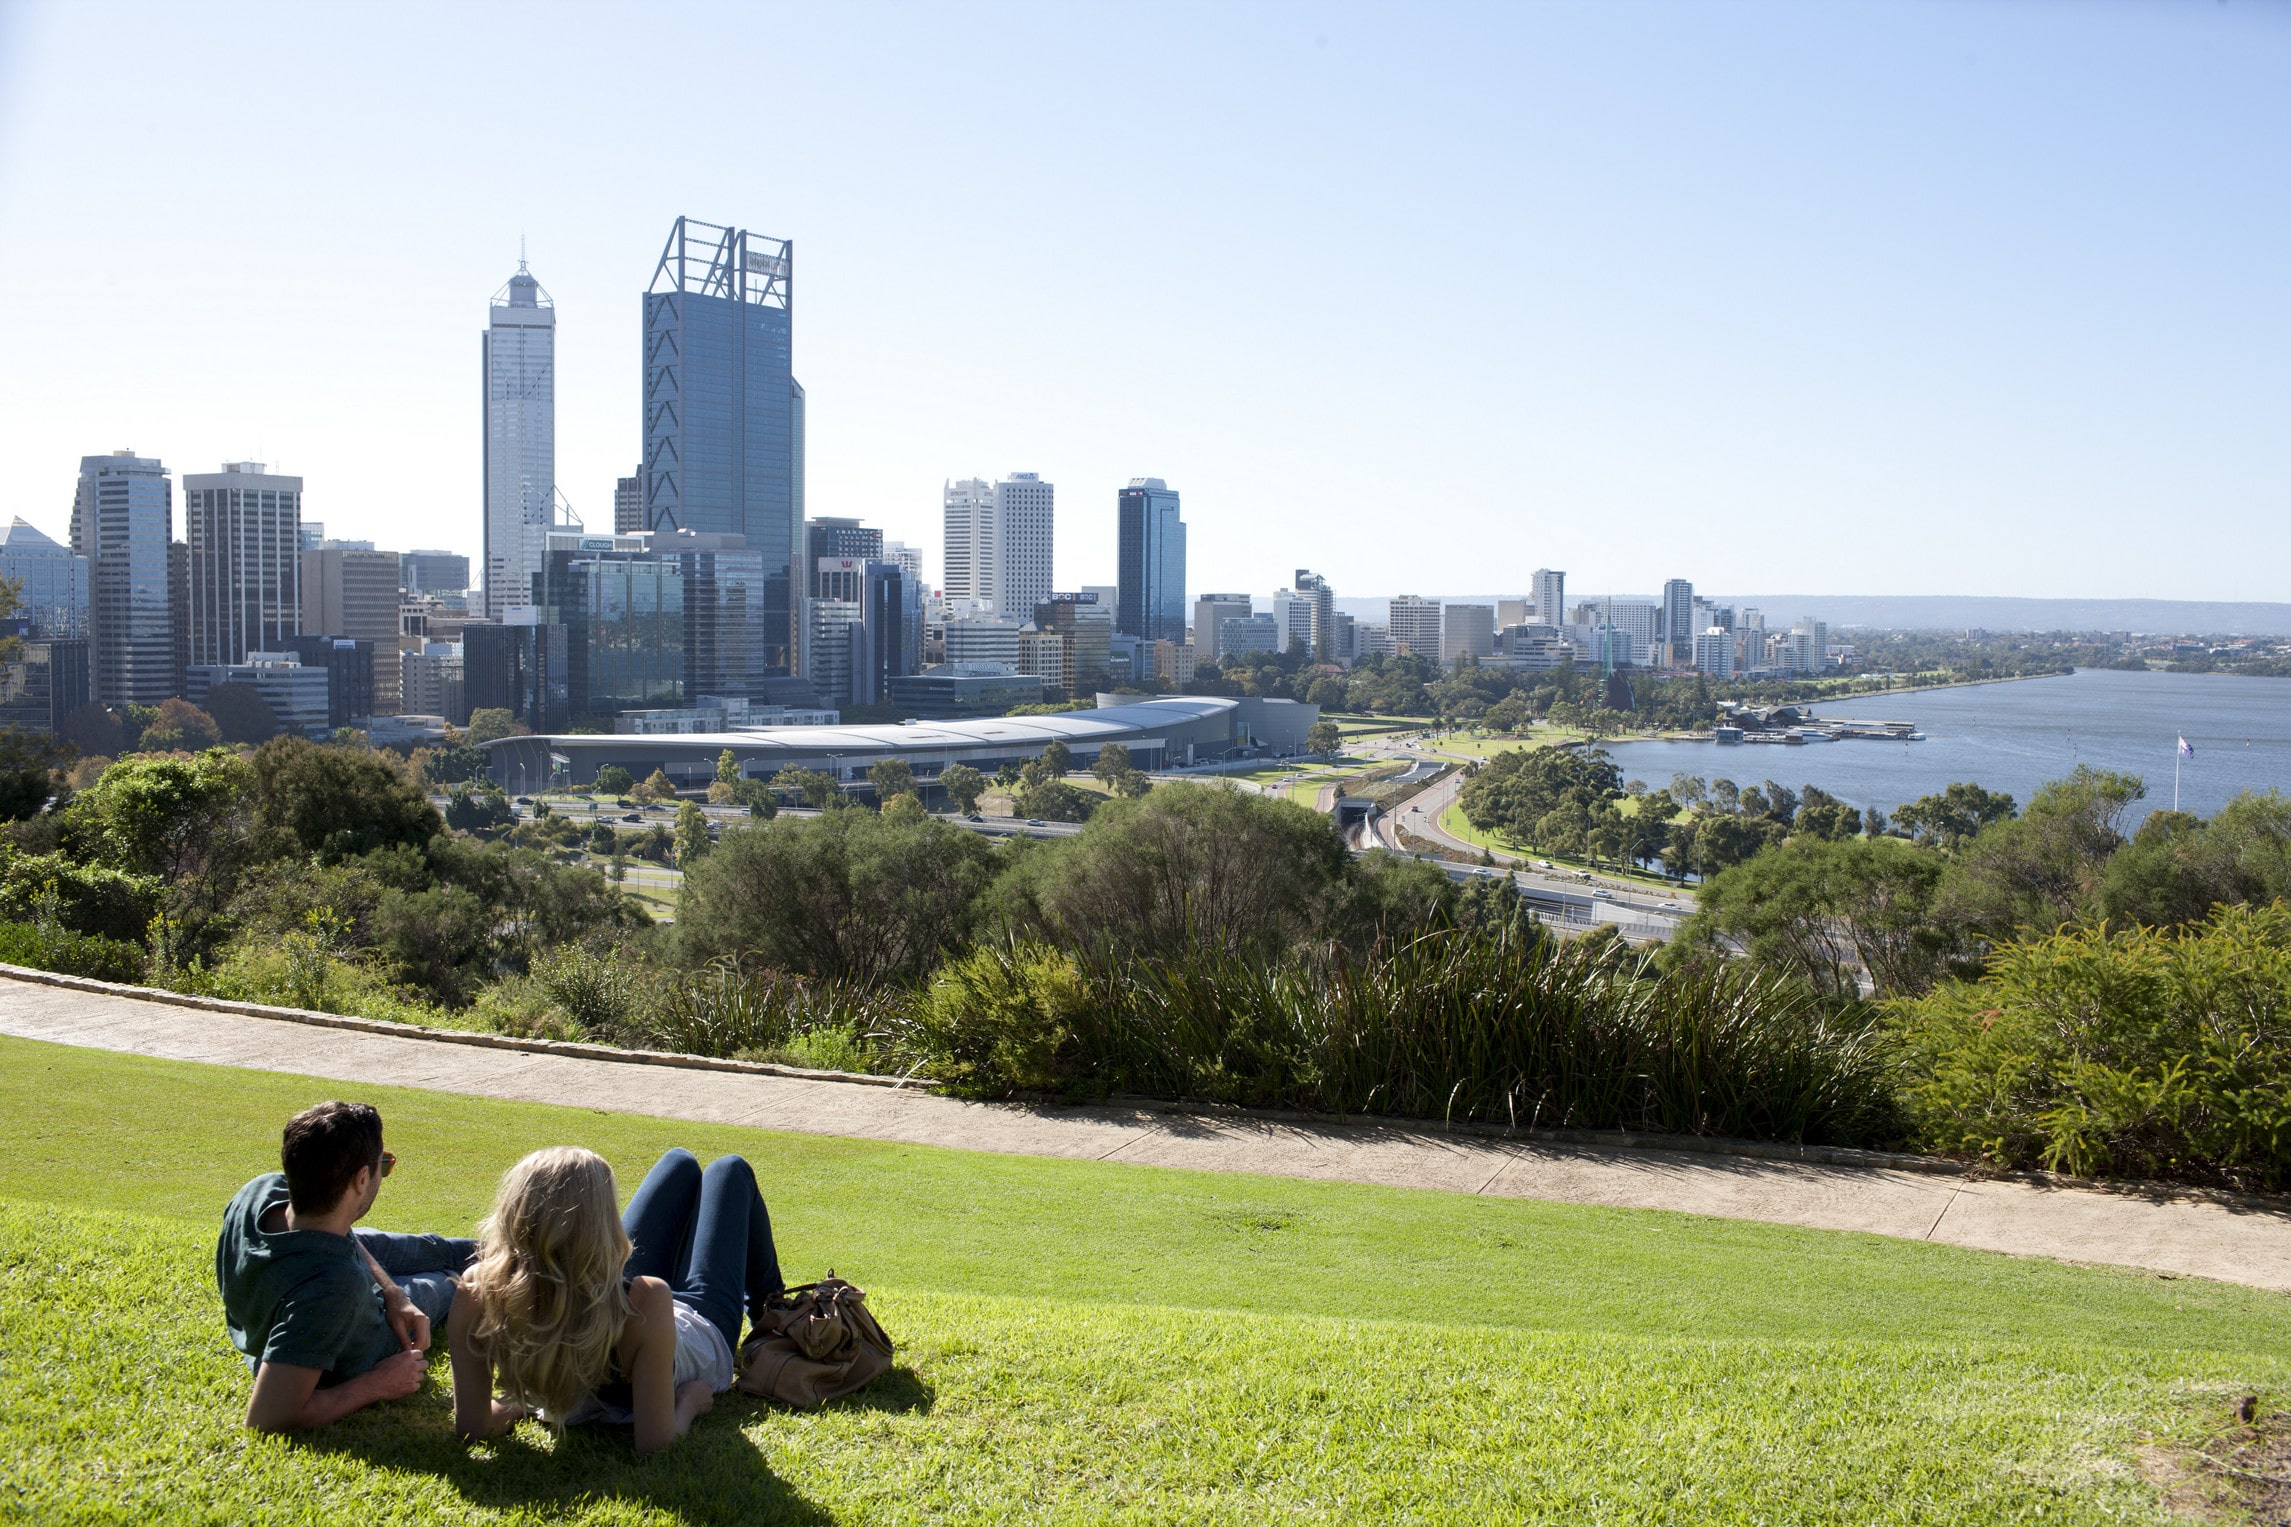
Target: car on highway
[[1602, 895], [632, 817], [1036, 822], [974, 817]]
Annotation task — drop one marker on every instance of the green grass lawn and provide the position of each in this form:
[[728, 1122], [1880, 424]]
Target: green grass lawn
[[1085, 1341], [1455, 824]]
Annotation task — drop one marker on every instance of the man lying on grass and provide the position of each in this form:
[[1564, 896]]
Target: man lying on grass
[[331, 1319]]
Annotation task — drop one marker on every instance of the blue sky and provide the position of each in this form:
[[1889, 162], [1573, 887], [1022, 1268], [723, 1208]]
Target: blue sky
[[1874, 298]]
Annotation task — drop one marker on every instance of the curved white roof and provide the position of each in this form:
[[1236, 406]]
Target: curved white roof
[[1109, 723]]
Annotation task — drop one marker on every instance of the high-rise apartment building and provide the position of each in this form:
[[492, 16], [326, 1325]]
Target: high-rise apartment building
[[520, 360], [352, 592], [1467, 630], [1319, 600], [1550, 591], [243, 527], [628, 504], [1149, 572], [723, 413], [1678, 620], [51, 580], [970, 546], [1415, 625], [1025, 516], [122, 522]]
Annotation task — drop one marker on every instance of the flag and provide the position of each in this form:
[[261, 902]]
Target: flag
[[2187, 748]]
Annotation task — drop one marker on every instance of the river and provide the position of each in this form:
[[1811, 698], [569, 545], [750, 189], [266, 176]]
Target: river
[[2014, 736]]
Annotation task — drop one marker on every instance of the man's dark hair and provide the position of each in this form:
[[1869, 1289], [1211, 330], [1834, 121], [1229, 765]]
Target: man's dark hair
[[324, 1150]]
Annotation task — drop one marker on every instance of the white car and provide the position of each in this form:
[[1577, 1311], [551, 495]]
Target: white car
[[1602, 895]]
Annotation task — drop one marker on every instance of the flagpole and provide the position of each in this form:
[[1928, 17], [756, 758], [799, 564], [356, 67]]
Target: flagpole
[[2175, 779]]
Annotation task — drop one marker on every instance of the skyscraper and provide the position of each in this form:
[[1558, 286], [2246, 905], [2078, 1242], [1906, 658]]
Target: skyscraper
[[723, 414], [122, 520], [1550, 591], [53, 581], [1678, 620], [969, 544], [1150, 562], [520, 353], [244, 530], [1319, 600], [1024, 512], [352, 592], [1415, 626], [628, 504]]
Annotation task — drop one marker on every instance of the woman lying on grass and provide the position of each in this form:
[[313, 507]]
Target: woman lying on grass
[[580, 1315]]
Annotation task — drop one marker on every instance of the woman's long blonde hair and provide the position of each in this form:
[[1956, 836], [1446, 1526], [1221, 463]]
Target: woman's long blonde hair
[[547, 1280]]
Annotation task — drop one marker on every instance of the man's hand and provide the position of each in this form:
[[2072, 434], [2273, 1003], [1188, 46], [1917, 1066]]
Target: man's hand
[[398, 1375], [406, 1318]]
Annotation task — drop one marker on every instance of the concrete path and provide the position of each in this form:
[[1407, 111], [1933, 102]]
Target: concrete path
[[2240, 1242]]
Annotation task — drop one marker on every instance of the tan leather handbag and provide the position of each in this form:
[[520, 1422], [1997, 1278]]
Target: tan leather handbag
[[816, 1343]]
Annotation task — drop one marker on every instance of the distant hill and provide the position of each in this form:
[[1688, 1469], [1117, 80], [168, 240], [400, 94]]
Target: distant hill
[[1957, 612]]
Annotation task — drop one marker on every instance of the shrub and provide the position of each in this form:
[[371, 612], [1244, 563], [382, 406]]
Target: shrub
[[69, 953], [612, 779], [2140, 1052], [1001, 1019], [724, 1010], [598, 995]]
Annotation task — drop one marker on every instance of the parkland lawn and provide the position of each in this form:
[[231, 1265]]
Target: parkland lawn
[[1086, 1341]]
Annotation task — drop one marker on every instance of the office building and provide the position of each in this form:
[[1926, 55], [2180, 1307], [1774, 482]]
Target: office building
[[891, 625], [520, 365], [1149, 599], [972, 643], [123, 522], [352, 592], [45, 681], [838, 540], [833, 636], [1467, 630], [178, 613], [1042, 655], [1312, 591], [1677, 628], [1550, 591], [243, 530], [1415, 625], [430, 682], [51, 582], [957, 691], [428, 572], [1240, 635], [1025, 516], [313, 534], [1531, 647], [1641, 623], [1210, 612], [1372, 641], [1085, 623], [1714, 653], [628, 504], [1514, 612], [296, 696], [971, 547], [519, 666], [911, 559], [348, 663], [723, 414]]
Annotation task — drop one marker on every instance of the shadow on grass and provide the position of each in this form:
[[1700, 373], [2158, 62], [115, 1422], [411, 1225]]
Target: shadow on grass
[[716, 1475]]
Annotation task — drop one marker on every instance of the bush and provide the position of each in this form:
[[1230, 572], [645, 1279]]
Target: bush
[[1001, 1019], [2145, 1052], [612, 779], [69, 953], [726, 1011]]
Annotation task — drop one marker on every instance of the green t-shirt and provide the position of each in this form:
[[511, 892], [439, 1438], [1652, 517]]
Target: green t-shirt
[[301, 1297]]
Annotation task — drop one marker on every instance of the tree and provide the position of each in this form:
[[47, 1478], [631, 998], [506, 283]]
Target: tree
[[179, 820], [891, 776], [242, 715], [1955, 816], [478, 808], [1325, 738], [455, 765], [1826, 910], [2177, 868], [96, 730], [1132, 783], [1057, 759], [816, 788], [179, 727], [727, 768], [657, 786], [1189, 865], [1826, 817], [612, 779], [339, 803], [2045, 867], [1053, 800], [847, 895], [692, 843], [905, 808], [1112, 762], [492, 723], [963, 785], [757, 797], [28, 761]]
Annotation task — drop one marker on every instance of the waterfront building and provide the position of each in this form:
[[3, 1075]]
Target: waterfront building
[[520, 367], [1240, 635], [123, 523], [353, 592], [431, 572], [242, 527], [1415, 626], [297, 696], [1149, 600], [51, 580], [724, 417], [1549, 588], [1466, 630]]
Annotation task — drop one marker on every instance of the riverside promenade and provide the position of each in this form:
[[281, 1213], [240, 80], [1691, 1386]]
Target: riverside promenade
[[2191, 1234]]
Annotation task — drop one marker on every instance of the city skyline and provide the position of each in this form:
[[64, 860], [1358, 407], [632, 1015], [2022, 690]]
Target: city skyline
[[1952, 319]]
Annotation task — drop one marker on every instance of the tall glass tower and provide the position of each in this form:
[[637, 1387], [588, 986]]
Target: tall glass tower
[[520, 440], [1149, 572], [723, 413], [122, 521]]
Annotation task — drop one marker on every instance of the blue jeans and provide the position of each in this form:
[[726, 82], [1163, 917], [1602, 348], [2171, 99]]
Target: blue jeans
[[422, 1265], [707, 1235]]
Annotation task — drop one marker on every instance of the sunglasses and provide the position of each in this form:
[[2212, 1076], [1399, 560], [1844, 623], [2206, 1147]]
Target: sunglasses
[[388, 1162]]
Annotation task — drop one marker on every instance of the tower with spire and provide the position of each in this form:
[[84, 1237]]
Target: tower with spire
[[520, 366]]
